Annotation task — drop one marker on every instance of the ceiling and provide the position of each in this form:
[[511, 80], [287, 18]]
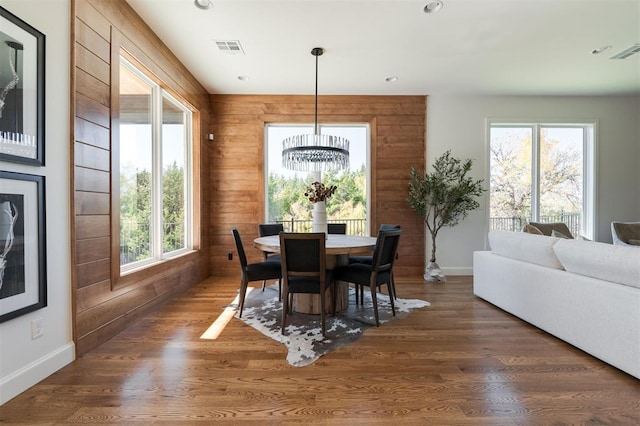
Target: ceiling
[[484, 47]]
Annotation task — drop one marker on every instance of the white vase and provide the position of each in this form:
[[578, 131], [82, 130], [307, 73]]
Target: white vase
[[320, 217]]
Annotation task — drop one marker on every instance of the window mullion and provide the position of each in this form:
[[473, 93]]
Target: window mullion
[[157, 174], [535, 172]]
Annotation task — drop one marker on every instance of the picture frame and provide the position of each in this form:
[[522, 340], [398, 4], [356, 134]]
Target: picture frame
[[22, 65], [23, 263]]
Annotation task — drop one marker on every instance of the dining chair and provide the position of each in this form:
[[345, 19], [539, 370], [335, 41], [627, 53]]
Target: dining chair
[[258, 271], [337, 228], [369, 260], [376, 274], [264, 230], [304, 271]]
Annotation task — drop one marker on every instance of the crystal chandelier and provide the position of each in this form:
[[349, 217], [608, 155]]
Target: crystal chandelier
[[316, 152]]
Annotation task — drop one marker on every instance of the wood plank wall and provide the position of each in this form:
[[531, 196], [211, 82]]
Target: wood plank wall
[[103, 309], [237, 173]]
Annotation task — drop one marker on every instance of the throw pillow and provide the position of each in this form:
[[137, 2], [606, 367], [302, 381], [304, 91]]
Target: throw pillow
[[559, 234], [530, 229]]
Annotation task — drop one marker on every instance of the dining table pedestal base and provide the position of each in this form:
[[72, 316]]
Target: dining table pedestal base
[[310, 303]]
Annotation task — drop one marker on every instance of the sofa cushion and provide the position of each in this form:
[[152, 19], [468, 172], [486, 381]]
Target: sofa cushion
[[618, 264], [532, 248], [558, 234], [531, 229], [547, 228]]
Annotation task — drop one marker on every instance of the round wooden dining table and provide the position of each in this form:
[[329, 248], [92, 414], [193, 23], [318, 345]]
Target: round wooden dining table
[[338, 248]]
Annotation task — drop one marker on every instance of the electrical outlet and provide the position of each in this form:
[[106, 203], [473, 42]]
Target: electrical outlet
[[37, 328]]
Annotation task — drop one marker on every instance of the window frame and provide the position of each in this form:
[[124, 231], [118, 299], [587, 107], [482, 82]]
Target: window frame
[[367, 126], [589, 166], [124, 276]]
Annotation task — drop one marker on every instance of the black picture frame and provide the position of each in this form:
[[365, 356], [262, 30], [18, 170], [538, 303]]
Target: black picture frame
[[22, 65], [23, 263]]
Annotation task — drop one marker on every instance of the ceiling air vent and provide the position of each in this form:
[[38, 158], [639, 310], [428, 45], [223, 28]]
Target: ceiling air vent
[[633, 50], [232, 47]]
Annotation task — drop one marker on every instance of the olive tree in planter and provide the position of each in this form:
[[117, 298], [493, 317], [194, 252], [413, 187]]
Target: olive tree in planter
[[443, 198]]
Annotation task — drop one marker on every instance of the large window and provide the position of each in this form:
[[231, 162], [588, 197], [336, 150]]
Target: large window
[[542, 173], [285, 188], [155, 171]]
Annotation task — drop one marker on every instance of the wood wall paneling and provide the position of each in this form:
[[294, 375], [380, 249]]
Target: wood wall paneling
[[236, 184], [102, 310], [92, 64], [93, 226], [91, 134]]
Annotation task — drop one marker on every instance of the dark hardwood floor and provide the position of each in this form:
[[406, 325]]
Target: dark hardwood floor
[[460, 361]]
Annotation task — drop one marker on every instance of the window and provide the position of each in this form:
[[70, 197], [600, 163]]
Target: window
[[155, 171], [284, 192], [542, 173]]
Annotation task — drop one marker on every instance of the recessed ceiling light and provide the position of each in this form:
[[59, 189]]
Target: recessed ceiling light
[[433, 7], [203, 4], [391, 79], [243, 77], [600, 50]]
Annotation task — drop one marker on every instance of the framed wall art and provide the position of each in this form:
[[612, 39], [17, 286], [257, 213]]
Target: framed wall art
[[21, 91], [23, 274]]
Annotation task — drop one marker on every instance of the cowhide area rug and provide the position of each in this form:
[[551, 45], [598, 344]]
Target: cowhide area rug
[[304, 340]]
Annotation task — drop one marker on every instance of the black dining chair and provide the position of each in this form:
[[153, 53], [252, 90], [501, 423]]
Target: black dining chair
[[337, 228], [369, 260], [304, 271], [264, 230], [259, 271], [376, 274]]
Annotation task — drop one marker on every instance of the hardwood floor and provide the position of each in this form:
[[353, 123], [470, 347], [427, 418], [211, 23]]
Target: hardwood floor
[[460, 361]]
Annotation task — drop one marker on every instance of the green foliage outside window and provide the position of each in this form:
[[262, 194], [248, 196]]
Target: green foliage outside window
[[135, 213], [287, 201]]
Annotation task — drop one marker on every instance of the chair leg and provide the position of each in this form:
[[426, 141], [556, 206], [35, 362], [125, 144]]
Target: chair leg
[[393, 286], [264, 284], [391, 297], [279, 290], [322, 308], [374, 299], [285, 308], [242, 293]]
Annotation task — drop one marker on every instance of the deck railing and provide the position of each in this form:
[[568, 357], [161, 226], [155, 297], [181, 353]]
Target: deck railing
[[572, 220], [354, 226]]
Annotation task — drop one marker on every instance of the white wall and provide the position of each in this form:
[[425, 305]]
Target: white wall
[[459, 123], [23, 361]]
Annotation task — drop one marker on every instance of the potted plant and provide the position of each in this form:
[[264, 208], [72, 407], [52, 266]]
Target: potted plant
[[443, 198]]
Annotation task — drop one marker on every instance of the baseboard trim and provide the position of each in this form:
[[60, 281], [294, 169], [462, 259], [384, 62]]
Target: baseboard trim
[[21, 380], [457, 271]]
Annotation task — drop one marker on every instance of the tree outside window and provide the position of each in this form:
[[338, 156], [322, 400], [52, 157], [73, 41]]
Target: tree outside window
[[285, 190], [155, 170], [538, 173]]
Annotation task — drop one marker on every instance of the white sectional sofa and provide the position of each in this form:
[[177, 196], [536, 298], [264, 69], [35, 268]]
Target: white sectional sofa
[[585, 293]]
